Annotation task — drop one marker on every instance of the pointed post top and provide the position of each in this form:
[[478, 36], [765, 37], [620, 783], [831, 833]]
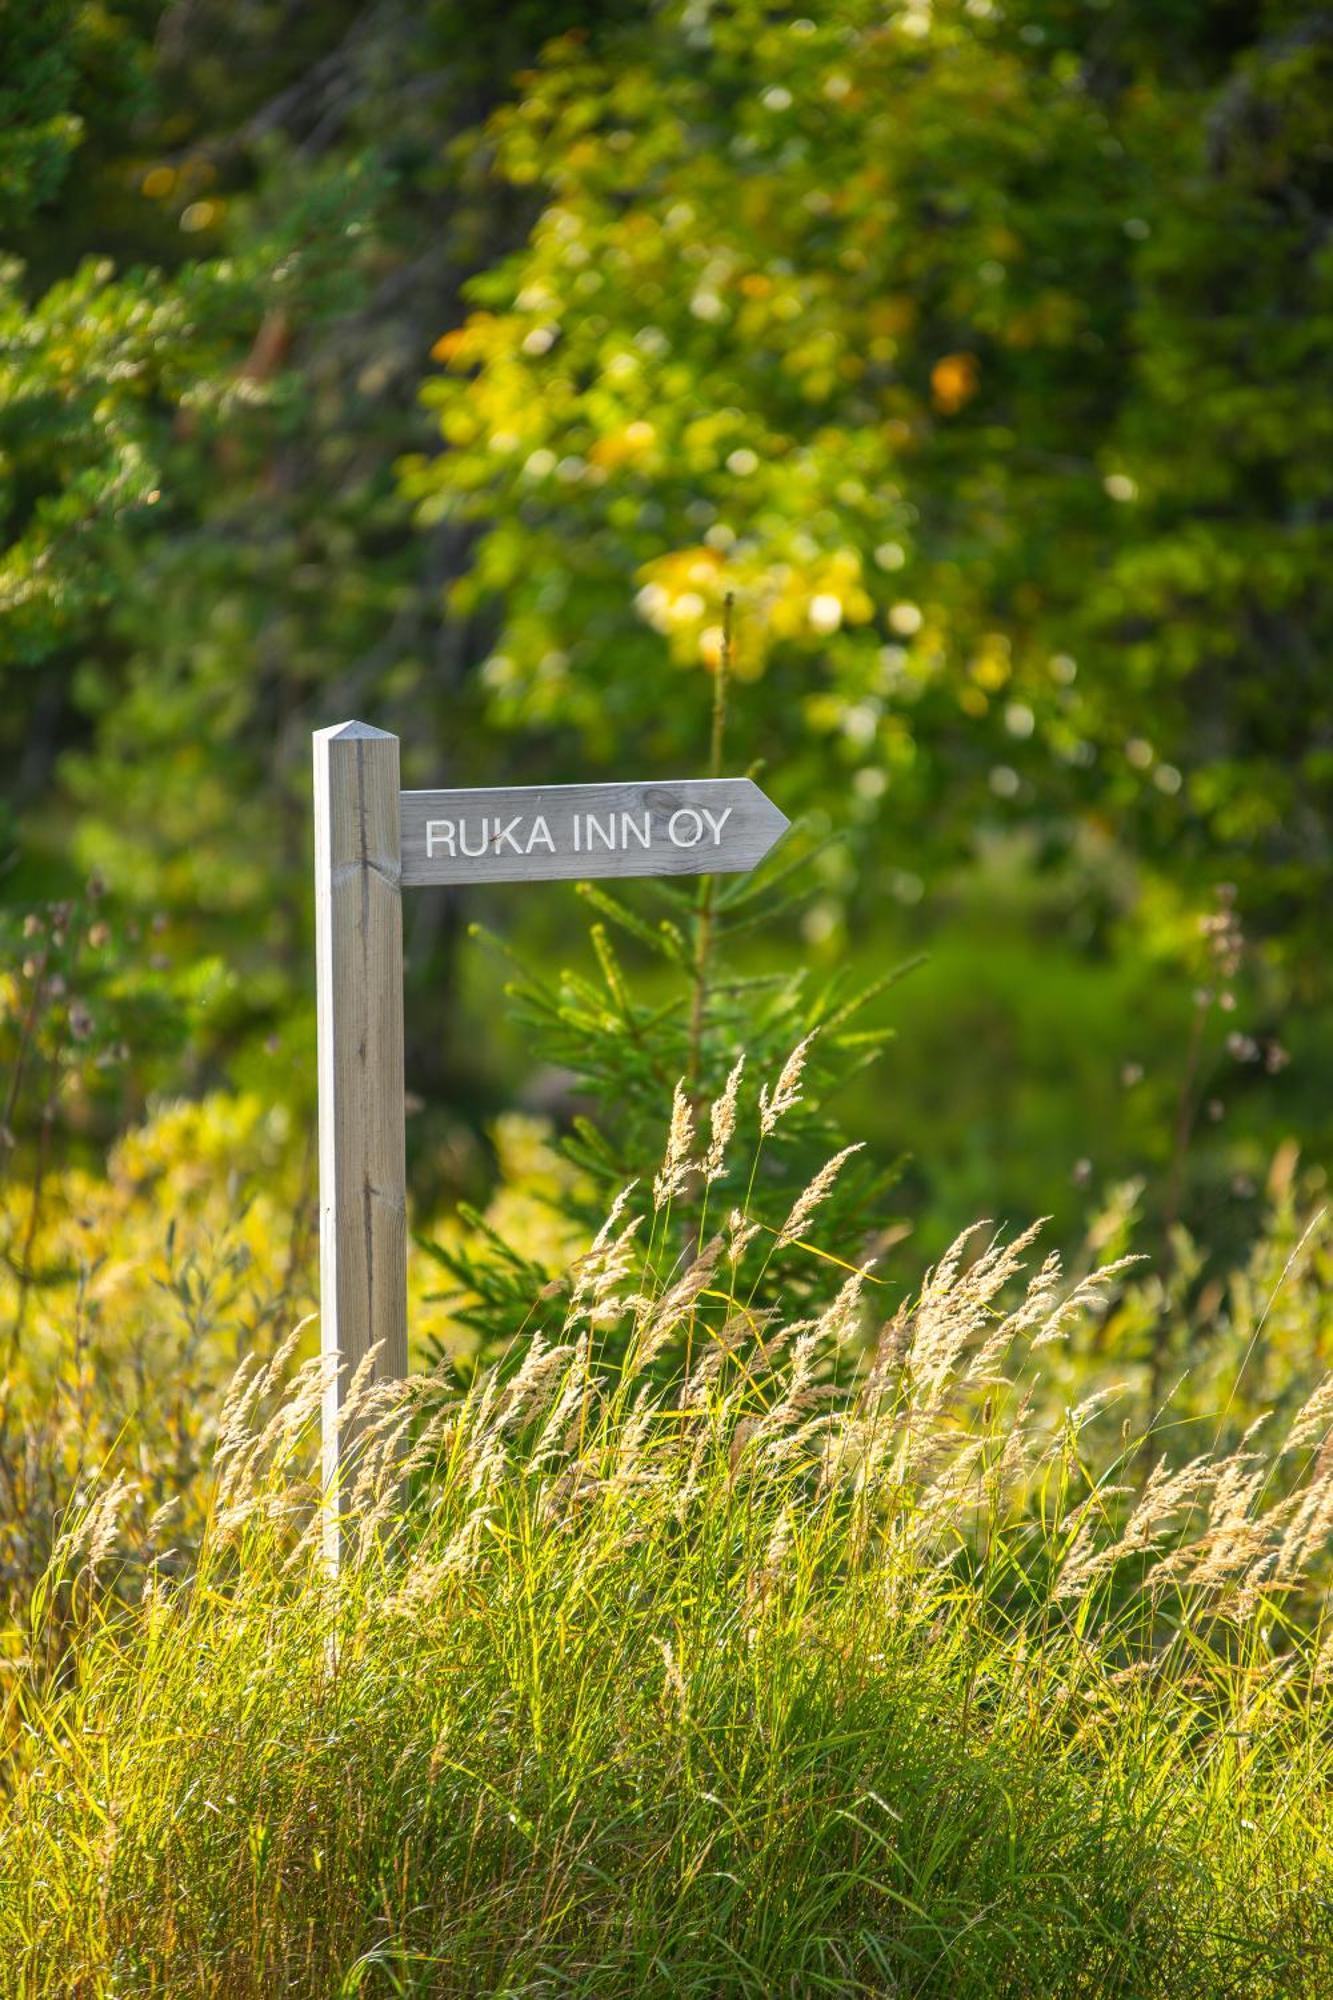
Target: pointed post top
[[352, 732]]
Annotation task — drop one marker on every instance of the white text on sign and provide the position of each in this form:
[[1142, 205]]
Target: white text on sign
[[471, 840], [568, 832]]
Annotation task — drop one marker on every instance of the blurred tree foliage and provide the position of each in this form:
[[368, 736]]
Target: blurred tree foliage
[[982, 351], [236, 230]]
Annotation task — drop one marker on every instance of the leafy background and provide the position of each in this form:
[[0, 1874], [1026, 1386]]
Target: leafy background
[[451, 367], [927, 408]]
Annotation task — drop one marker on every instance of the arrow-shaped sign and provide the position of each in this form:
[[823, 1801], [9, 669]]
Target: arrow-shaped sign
[[557, 833]]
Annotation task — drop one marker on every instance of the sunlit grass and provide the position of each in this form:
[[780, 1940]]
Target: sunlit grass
[[649, 1678]]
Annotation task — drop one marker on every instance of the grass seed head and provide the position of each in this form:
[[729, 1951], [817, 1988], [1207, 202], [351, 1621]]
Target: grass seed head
[[674, 1174], [786, 1094], [722, 1124]]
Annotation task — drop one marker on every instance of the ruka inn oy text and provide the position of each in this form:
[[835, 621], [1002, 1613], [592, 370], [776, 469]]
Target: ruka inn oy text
[[471, 837], [571, 833]]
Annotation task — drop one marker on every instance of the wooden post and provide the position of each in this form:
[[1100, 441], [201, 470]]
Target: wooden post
[[362, 1163]]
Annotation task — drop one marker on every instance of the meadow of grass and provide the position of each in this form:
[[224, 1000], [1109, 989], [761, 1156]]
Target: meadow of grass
[[702, 1651]]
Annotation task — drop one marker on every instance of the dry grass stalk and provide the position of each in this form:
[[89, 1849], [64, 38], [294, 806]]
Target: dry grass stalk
[[722, 1124], [819, 1190], [786, 1093], [671, 1312], [673, 1176]]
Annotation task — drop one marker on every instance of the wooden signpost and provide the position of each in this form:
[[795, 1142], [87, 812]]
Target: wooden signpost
[[372, 840]]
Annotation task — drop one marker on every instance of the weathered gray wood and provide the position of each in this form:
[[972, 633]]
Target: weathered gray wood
[[556, 833], [359, 964]]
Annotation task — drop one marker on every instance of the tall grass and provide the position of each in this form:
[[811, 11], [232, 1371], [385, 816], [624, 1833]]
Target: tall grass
[[701, 1654]]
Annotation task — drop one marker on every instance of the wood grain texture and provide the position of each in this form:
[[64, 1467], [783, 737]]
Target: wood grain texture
[[359, 964], [559, 833]]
